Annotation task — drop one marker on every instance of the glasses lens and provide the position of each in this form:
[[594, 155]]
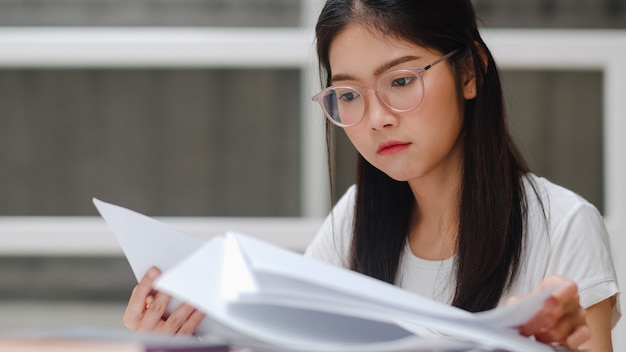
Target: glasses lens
[[401, 90], [343, 105]]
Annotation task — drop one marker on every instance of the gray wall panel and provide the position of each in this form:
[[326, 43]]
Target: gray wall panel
[[167, 142]]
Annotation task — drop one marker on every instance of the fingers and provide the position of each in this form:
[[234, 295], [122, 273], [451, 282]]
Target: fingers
[[581, 335], [137, 302], [561, 303], [147, 310], [191, 325], [561, 323], [183, 321], [153, 314], [562, 319]]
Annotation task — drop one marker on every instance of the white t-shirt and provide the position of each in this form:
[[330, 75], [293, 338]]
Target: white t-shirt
[[573, 243]]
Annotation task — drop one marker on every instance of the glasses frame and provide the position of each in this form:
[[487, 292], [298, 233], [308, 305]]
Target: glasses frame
[[419, 72]]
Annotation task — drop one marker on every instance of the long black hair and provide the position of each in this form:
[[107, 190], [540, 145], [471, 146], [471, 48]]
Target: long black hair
[[492, 211]]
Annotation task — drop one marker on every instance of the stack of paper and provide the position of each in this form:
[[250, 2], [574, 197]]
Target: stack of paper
[[261, 296]]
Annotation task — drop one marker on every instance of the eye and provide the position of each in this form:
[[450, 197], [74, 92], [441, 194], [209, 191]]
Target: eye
[[402, 81], [347, 96]]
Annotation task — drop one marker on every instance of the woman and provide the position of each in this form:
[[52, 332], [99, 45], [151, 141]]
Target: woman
[[444, 204]]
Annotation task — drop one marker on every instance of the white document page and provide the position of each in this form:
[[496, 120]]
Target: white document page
[[260, 294]]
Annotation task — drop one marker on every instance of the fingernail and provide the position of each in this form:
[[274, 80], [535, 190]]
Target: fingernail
[[550, 304], [153, 273]]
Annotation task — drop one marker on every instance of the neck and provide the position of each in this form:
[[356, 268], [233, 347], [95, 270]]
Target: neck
[[434, 226]]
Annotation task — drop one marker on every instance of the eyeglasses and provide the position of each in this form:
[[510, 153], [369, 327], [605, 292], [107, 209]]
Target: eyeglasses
[[400, 91]]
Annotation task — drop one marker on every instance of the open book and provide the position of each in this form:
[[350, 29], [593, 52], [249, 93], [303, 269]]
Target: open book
[[258, 295]]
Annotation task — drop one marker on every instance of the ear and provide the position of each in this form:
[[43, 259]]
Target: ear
[[469, 84], [469, 73]]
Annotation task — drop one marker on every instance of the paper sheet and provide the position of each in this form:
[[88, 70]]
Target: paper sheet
[[262, 295]]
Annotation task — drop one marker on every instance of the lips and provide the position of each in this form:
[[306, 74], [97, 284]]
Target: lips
[[391, 147]]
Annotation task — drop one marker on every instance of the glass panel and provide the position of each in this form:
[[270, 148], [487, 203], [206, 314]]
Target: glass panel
[[552, 13], [240, 13], [64, 279], [165, 142], [557, 118]]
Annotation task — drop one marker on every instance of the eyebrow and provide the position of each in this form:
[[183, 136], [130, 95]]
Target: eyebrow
[[379, 70]]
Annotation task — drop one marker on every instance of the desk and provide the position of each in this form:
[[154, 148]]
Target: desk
[[103, 340]]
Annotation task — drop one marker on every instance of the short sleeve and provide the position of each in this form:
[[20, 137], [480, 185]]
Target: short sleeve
[[332, 242], [582, 252]]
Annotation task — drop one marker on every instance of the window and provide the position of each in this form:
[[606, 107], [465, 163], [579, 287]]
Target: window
[[212, 142]]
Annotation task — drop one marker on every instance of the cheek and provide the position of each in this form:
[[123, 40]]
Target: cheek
[[361, 141], [355, 138], [441, 99], [441, 116], [441, 91]]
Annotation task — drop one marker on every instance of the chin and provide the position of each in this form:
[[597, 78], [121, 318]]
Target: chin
[[400, 177]]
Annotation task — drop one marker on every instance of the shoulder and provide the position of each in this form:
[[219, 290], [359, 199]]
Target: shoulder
[[332, 242], [558, 206], [563, 214], [346, 202], [553, 197], [566, 236]]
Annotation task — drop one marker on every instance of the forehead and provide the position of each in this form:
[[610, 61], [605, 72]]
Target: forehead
[[360, 49]]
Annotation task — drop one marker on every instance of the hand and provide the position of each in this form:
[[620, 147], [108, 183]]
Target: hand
[[146, 310], [562, 319]]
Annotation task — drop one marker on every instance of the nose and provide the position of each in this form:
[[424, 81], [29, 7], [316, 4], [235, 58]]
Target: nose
[[377, 114]]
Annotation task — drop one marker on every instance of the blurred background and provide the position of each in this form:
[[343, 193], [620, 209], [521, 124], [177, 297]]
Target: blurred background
[[228, 141]]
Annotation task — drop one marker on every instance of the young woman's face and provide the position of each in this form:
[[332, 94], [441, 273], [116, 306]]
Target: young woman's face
[[424, 142]]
